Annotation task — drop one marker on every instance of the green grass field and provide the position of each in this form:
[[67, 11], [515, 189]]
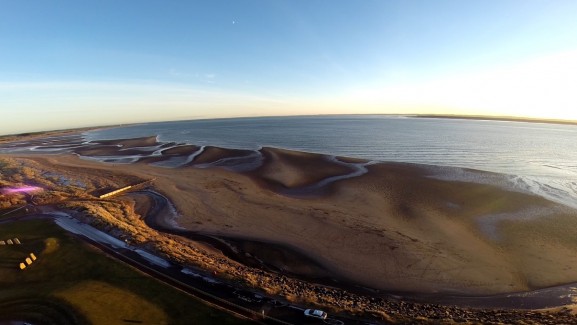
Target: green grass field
[[73, 283]]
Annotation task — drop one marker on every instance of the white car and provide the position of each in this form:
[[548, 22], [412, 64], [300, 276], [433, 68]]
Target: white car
[[316, 313]]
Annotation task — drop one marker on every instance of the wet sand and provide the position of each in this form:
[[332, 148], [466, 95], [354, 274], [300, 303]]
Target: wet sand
[[395, 228]]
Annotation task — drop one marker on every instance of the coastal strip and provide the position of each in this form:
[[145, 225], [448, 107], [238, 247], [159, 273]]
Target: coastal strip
[[390, 228]]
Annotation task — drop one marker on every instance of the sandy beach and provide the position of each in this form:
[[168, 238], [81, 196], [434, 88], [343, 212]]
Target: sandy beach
[[395, 228], [393, 241]]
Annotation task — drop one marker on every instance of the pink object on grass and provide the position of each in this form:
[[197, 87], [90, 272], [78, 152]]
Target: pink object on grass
[[22, 189]]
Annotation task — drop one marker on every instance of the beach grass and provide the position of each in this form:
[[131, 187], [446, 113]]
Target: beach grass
[[72, 282]]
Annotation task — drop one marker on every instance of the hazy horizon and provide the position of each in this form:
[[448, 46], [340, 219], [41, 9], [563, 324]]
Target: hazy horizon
[[392, 115], [107, 63]]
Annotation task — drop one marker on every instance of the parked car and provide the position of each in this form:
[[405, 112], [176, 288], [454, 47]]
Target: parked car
[[315, 313]]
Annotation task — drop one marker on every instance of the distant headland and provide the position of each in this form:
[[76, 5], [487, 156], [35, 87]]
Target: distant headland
[[496, 118]]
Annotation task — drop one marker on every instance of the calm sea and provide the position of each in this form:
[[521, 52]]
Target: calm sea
[[538, 155]]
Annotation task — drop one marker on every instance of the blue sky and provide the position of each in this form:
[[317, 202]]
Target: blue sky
[[78, 63]]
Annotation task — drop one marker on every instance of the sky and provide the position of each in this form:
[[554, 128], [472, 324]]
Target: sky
[[66, 64]]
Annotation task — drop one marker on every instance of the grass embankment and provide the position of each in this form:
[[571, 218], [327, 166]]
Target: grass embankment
[[73, 283]]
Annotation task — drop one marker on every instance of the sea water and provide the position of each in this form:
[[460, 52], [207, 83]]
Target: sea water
[[539, 157]]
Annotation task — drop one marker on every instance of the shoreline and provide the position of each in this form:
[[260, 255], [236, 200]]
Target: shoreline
[[148, 150], [550, 178], [405, 231]]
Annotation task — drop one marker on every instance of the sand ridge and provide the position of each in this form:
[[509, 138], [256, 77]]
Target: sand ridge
[[212, 154], [293, 169]]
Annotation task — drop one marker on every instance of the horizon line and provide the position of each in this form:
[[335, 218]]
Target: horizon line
[[504, 118]]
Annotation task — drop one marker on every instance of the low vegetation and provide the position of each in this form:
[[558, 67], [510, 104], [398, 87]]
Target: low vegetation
[[76, 284], [73, 283]]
